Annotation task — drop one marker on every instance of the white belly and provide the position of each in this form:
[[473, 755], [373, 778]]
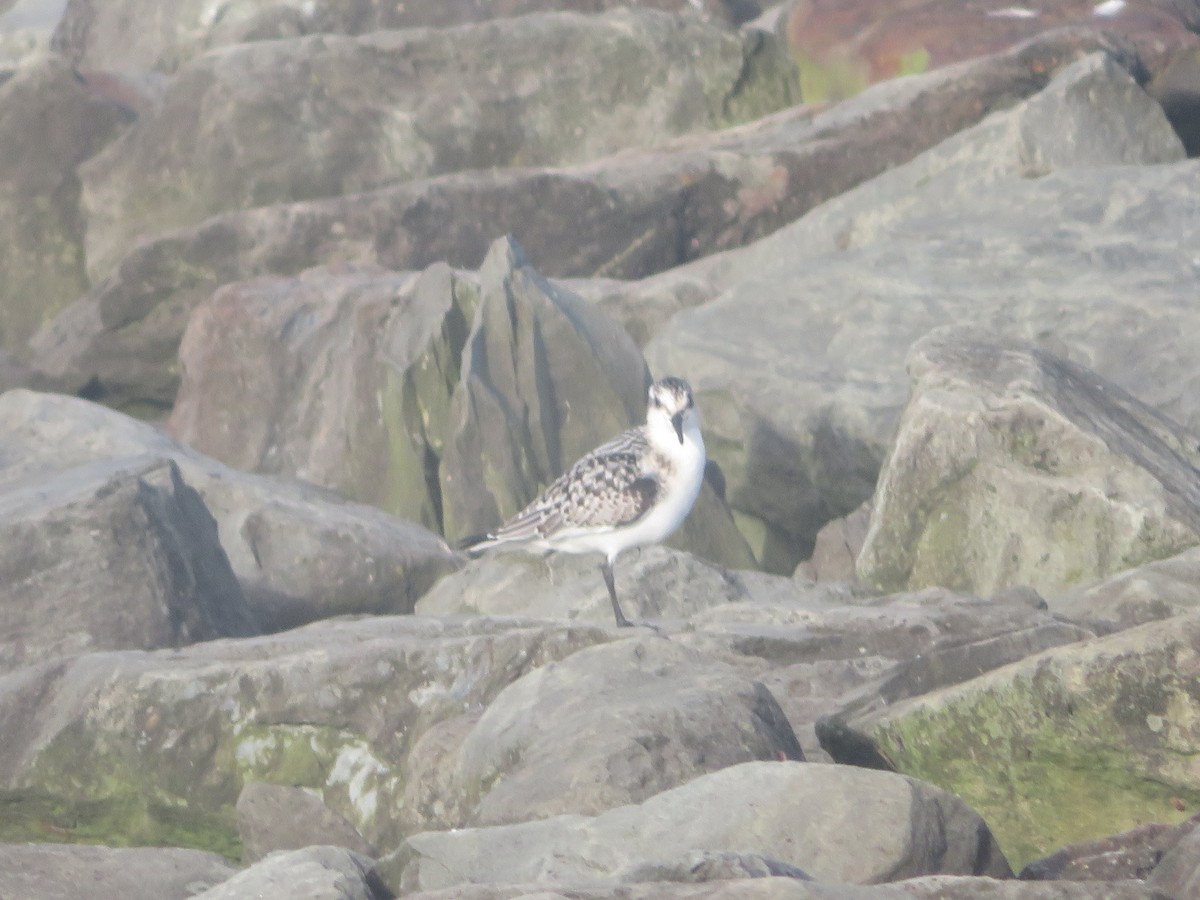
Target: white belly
[[674, 501]]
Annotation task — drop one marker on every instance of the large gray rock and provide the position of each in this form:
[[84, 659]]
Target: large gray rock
[[1156, 590], [97, 34], [112, 555], [300, 553], [837, 823], [360, 112], [1073, 744], [631, 214], [61, 872], [609, 726], [1013, 466], [314, 873], [49, 122], [272, 817], [653, 583], [932, 887], [1076, 236], [155, 747], [829, 656], [405, 391]]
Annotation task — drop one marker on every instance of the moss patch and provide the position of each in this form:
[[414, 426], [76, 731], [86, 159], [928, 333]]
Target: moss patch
[[121, 820], [1059, 755]]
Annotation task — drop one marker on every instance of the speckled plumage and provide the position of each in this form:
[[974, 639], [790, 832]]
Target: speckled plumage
[[610, 487], [634, 490]]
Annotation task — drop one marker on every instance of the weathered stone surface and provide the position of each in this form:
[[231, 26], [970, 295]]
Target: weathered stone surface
[[300, 553], [836, 548], [1178, 872], [1013, 466], [631, 214], [700, 866], [654, 583], [648, 714], [49, 123], [802, 814], [98, 35], [843, 46], [933, 887], [359, 112], [314, 873], [56, 872], [1156, 590], [828, 655], [1073, 744], [118, 743], [1131, 855], [405, 392], [273, 817], [113, 555], [1063, 235]]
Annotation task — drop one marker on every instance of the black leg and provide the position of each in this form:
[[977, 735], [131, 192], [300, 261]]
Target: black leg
[[606, 568]]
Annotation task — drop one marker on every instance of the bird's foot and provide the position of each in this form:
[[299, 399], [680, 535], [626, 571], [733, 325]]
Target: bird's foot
[[633, 623]]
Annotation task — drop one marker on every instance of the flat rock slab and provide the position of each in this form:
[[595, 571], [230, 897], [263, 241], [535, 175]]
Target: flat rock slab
[[836, 823], [83, 872], [654, 584]]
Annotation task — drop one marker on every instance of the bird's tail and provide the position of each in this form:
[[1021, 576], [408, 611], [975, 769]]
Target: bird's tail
[[475, 544]]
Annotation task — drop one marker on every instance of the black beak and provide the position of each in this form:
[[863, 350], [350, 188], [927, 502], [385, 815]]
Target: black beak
[[677, 421]]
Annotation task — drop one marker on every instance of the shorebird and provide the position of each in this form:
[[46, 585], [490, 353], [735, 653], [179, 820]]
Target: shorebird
[[632, 491]]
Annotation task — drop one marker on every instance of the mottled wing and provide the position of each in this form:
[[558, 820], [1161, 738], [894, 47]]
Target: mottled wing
[[607, 488]]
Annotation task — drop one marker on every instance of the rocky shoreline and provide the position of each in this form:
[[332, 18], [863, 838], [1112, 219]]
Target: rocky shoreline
[[298, 295]]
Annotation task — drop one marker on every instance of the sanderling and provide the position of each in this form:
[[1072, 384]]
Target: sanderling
[[634, 490]]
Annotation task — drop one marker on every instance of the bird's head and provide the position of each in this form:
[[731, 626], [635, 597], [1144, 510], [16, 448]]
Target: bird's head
[[670, 402]]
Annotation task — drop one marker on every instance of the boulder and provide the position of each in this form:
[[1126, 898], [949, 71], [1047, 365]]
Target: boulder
[[654, 583], [1072, 744], [313, 873], [610, 726], [404, 391], [97, 35], [360, 112], [799, 361], [631, 214], [1013, 466], [829, 656], [61, 872], [1156, 590], [273, 817], [1178, 871], [842, 48], [49, 123], [931, 887], [1131, 855], [138, 747], [837, 823], [300, 553], [110, 555]]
